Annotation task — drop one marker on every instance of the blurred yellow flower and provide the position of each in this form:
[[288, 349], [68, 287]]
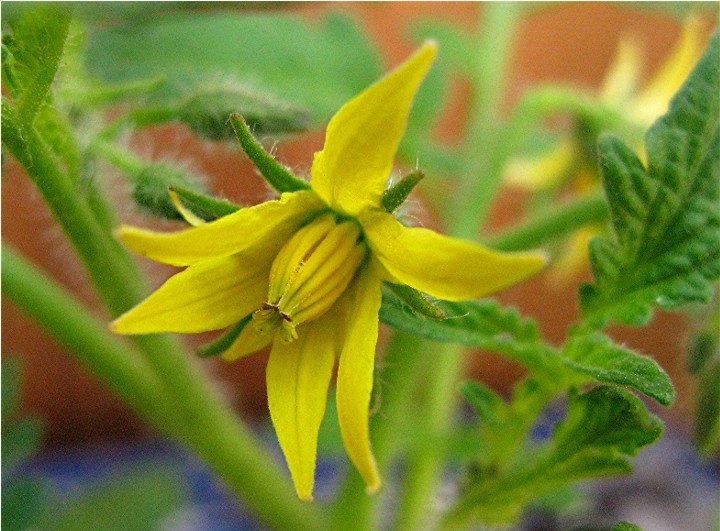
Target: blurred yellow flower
[[308, 268], [565, 161]]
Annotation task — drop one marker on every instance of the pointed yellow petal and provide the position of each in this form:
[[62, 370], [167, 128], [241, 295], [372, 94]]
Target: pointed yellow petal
[[355, 372], [541, 171], [187, 214], [248, 342], [267, 224], [654, 98], [298, 376], [206, 296], [444, 267], [362, 138]]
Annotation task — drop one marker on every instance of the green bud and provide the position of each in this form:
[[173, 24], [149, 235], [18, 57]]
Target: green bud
[[399, 192], [206, 112], [152, 182]]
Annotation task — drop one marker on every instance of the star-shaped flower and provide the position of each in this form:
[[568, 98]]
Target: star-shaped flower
[[308, 268]]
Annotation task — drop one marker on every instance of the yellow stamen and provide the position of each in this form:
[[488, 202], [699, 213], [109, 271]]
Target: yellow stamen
[[309, 274]]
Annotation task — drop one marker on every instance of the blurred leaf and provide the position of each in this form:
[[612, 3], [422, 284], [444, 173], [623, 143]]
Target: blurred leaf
[[596, 356], [35, 45], [666, 219], [11, 380], [707, 429], [23, 502], [626, 526], [151, 185], [486, 403], [137, 499], [20, 440], [330, 441], [279, 56]]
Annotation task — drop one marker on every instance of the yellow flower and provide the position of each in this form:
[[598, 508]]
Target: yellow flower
[[639, 106], [308, 268]]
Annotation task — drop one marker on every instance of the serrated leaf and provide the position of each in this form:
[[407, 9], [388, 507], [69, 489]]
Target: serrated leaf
[[36, 44], [666, 219], [598, 357], [192, 50], [602, 429], [484, 324]]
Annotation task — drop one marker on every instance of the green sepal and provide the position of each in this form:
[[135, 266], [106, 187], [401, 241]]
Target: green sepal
[[396, 195], [277, 175], [415, 300], [225, 340], [205, 206]]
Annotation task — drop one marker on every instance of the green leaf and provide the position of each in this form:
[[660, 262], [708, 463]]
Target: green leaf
[[20, 440], [602, 430], [313, 66], [596, 356], [151, 185], [36, 45], [484, 324], [136, 499], [626, 526], [11, 381], [666, 219], [486, 403], [23, 502], [707, 429]]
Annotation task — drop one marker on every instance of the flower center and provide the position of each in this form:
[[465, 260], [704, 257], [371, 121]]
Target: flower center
[[309, 274]]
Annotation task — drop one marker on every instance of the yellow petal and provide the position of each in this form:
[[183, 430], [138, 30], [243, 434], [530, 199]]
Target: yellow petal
[[542, 171], [622, 76], [444, 267], [187, 214], [248, 342], [268, 224], [298, 375], [355, 372], [209, 295], [654, 98], [362, 138]]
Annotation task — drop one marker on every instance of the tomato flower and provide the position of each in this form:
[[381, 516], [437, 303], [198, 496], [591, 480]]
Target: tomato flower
[[308, 268]]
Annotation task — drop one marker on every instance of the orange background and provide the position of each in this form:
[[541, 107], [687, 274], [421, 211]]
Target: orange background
[[571, 42]]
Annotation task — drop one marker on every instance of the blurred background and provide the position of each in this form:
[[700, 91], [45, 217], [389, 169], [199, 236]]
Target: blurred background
[[569, 42]]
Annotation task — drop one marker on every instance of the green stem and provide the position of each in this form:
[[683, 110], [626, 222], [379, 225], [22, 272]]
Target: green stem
[[477, 183], [212, 429], [425, 462], [478, 180], [403, 366], [68, 322], [551, 223]]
